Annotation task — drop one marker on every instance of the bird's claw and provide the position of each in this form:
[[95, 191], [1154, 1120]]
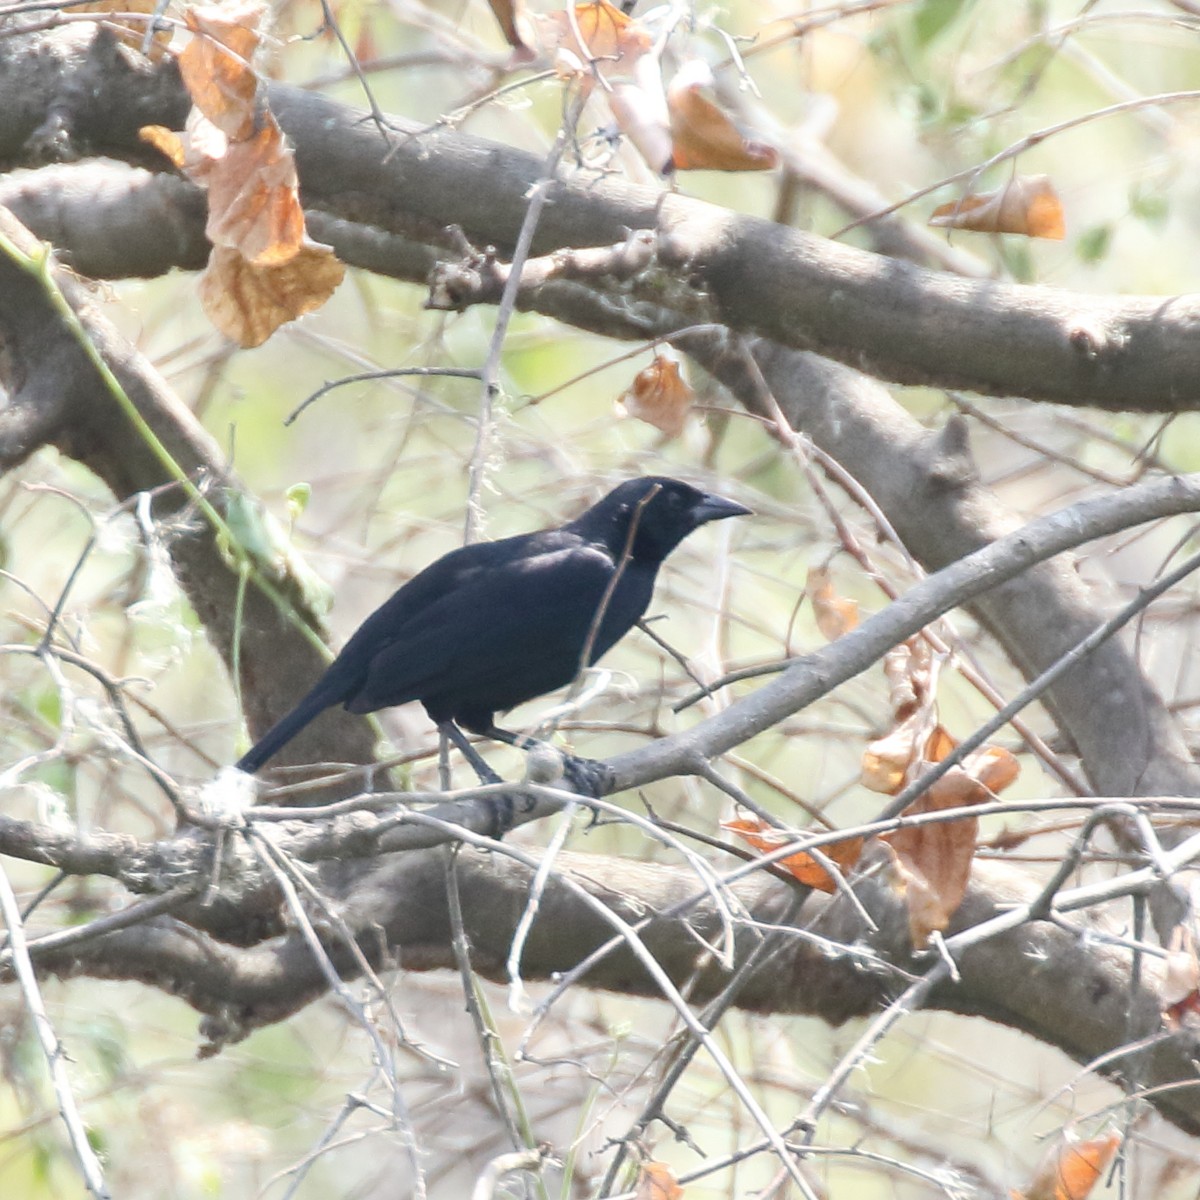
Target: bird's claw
[[587, 776]]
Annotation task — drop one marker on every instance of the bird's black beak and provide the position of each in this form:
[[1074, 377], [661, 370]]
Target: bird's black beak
[[717, 508]]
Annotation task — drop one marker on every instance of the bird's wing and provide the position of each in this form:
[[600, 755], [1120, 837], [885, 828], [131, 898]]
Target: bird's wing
[[503, 627]]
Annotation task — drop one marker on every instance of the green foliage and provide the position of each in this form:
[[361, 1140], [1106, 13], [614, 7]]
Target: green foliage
[[298, 496], [1093, 244], [1149, 202], [932, 18]]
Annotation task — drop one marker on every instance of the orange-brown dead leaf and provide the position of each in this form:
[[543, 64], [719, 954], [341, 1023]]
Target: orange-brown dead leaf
[[802, 866], [263, 270], [1027, 204], [889, 762], [599, 33], [993, 766], [656, 1181], [934, 860], [248, 303], [254, 199], [1071, 1169], [703, 136], [216, 63], [911, 673], [835, 614], [660, 395], [196, 151], [516, 26], [253, 190], [166, 141], [132, 33]]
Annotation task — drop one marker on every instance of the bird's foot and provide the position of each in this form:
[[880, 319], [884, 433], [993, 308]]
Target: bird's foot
[[588, 776]]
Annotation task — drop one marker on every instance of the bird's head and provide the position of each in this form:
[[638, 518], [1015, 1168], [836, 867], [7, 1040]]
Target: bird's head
[[660, 513]]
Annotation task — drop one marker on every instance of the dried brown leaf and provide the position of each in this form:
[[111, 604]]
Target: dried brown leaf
[[835, 615], [802, 865], [518, 29], [1027, 204], [216, 64], [892, 760], [248, 303], [660, 395], [656, 1181], [166, 141], [934, 860], [1070, 1169], [254, 199], [597, 33], [703, 136], [132, 33], [911, 673]]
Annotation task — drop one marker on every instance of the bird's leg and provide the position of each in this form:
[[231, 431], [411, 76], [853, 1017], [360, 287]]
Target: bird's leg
[[462, 742], [502, 805], [587, 776]]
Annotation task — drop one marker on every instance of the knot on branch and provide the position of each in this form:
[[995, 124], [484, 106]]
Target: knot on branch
[[479, 277]]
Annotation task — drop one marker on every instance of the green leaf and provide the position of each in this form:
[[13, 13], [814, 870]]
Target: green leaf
[[1093, 245], [934, 17], [1153, 207], [298, 496]]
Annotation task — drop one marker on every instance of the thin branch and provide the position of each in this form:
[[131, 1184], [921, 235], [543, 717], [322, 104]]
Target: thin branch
[[52, 1048]]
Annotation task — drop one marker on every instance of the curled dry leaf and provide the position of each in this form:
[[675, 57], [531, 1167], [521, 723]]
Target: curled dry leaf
[[254, 199], [844, 854], [835, 614], [216, 64], [933, 862], [660, 395], [890, 761], [1027, 204], [992, 766], [911, 672], [1070, 1169], [248, 303], [263, 269], [253, 189], [518, 29], [594, 33], [1181, 980], [703, 136], [130, 31], [656, 1181], [166, 141]]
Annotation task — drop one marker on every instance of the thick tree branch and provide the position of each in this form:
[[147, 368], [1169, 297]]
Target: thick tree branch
[[1040, 977], [901, 322]]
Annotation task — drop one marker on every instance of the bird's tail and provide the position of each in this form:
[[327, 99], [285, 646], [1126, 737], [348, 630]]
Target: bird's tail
[[286, 728]]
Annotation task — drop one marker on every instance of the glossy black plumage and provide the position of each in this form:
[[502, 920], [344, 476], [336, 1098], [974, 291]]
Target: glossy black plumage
[[491, 625]]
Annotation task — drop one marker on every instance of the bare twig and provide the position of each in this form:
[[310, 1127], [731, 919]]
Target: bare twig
[[52, 1048]]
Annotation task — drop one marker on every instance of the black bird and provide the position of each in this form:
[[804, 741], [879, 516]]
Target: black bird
[[491, 625]]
